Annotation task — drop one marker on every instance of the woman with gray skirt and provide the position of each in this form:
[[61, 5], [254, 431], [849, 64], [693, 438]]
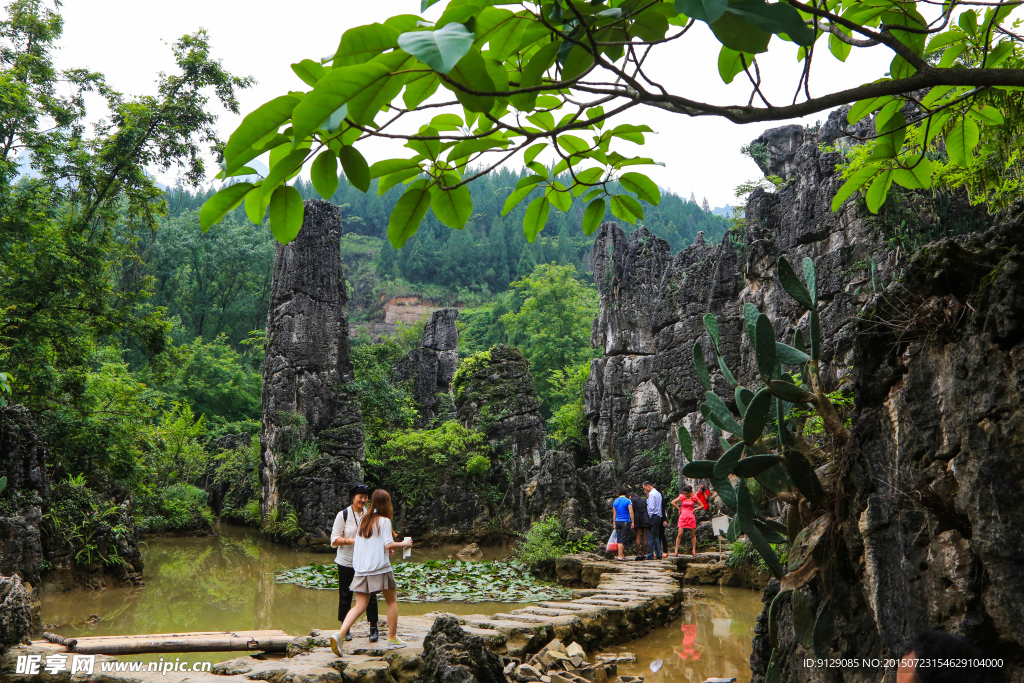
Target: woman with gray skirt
[[372, 569]]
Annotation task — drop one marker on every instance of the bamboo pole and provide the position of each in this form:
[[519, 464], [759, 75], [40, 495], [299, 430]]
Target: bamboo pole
[[214, 641]]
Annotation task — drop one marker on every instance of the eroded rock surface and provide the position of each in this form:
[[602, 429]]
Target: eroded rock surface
[[432, 365], [304, 375], [931, 532]]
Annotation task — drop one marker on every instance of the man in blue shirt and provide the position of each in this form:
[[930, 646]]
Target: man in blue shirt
[[654, 512], [622, 518]]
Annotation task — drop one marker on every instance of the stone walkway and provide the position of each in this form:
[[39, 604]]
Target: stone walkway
[[615, 602]]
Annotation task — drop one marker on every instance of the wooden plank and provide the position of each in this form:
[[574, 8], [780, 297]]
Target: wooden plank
[[213, 641]]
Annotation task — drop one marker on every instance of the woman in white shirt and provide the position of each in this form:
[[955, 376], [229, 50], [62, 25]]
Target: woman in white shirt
[[343, 537], [372, 569]]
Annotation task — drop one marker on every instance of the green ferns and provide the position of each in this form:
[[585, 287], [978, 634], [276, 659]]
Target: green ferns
[[764, 447]]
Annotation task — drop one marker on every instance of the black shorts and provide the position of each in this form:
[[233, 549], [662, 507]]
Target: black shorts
[[623, 531]]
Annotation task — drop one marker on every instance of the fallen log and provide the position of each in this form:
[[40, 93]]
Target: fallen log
[[60, 640], [214, 641]]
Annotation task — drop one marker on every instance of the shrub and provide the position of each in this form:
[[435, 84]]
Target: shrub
[[744, 554], [179, 507], [547, 539], [415, 462]]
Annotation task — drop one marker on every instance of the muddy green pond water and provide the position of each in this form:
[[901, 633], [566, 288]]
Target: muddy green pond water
[[227, 582]]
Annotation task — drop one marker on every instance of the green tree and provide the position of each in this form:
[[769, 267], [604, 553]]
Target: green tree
[[69, 232], [552, 326], [216, 283], [555, 76]]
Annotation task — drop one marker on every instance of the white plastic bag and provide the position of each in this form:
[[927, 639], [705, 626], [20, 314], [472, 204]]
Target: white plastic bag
[[613, 543]]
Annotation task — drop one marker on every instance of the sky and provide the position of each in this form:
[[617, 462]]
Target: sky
[[129, 42]]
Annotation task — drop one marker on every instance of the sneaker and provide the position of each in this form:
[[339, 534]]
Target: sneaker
[[348, 636], [396, 643], [337, 644], [374, 633]]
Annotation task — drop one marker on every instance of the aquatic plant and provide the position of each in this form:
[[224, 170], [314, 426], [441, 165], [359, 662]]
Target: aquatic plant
[[444, 581]]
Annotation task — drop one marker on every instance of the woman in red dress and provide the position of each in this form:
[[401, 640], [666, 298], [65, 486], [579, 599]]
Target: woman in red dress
[[684, 503]]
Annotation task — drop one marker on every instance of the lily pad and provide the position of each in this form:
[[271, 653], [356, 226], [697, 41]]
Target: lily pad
[[445, 581]]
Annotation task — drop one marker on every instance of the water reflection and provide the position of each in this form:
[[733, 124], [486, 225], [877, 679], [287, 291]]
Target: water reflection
[[712, 639], [223, 582]]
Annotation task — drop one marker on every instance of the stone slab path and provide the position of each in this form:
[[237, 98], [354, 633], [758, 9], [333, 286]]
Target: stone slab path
[[615, 602]]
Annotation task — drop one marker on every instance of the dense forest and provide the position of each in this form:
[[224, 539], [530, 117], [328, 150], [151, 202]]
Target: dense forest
[[134, 339]]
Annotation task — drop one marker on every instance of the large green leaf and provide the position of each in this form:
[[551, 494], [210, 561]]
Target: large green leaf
[[334, 90], [254, 127], [756, 416], [355, 167], [408, 213], [593, 215], [218, 206], [791, 283], [419, 88], [324, 174], [700, 366], [961, 141], [731, 62], [285, 213], [309, 71], [363, 43], [365, 105], [642, 186], [626, 208], [879, 189], [389, 166], [471, 74], [917, 175], [440, 49], [702, 10], [452, 207], [776, 17], [256, 203], [852, 184], [535, 217], [735, 31]]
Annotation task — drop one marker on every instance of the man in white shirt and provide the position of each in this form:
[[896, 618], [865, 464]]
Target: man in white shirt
[[654, 512], [343, 537]]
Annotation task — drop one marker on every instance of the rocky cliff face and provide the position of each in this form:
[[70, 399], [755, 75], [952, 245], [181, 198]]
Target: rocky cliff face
[[431, 366], [494, 393], [644, 387], [21, 513], [929, 531], [304, 375]]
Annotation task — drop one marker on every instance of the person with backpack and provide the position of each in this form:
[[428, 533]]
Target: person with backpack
[[343, 537], [372, 571], [641, 523]]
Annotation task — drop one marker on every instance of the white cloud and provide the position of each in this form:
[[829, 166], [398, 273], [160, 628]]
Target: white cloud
[[130, 42]]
